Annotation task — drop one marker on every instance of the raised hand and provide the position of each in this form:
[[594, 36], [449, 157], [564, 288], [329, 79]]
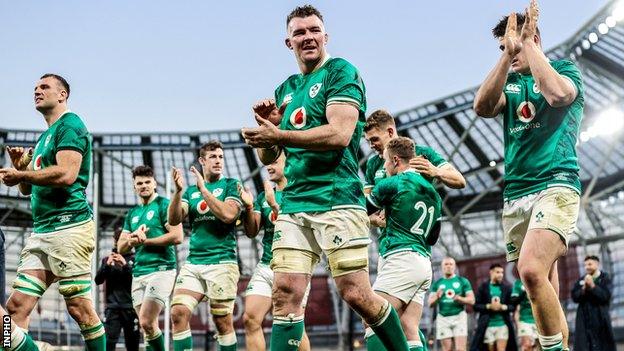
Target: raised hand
[[511, 39], [10, 176], [529, 28], [266, 135], [269, 194], [267, 109], [246, 196], [423, 166], [199, 178], [20, 156], [178, 179]]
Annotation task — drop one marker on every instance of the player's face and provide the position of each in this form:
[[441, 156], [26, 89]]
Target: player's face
[[212, 162], [276, 169], [48, 94], [448, 267], [389, 163], [144, 186], [377, 139], [307, 38], [496, 275], [591, 266], [519, 63]]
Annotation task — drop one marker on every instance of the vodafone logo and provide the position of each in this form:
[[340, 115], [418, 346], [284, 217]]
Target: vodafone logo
[[450, 293], [202, 207], [526, 111], [298, 118], [37, 163]]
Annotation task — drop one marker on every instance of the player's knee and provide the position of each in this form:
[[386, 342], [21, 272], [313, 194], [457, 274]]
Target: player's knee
[[531, 275], [252, 321], [180, 315], [223, 323], [352, 294]]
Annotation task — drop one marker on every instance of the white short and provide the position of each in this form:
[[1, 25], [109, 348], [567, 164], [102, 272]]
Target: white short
[[496, 333], [155, 286], [405, 275], [527, 329], [261, 283], [215, 281], [555, 209], [66, 252], [451, 326]]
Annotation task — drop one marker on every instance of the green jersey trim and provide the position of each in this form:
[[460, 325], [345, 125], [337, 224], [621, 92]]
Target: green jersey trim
[[340, 207]]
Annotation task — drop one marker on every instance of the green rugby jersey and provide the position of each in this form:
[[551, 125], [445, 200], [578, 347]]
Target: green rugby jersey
[[496, 319], [375, 165], [451, 287], [526, 313], [320, 181], [56, 208], [540, 140], [152, 258], [412, 206], [212, 241], [267, 222]]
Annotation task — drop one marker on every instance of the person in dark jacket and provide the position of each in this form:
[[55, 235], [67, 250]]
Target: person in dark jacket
[[116, 271], [495, 331], [593, 294]]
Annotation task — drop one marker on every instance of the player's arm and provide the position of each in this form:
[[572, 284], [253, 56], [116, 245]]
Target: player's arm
[[250, 217], [226, 211], [21, 160], [469, 299], [178, 209], [336, 135], [63, 174], [174, 236], [434, 296], [446, 173], [26, 188], [490, 99], [124, 243], [558, 90]]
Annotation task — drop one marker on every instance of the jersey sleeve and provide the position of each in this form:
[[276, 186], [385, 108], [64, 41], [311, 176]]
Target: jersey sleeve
[[569, 70], [71, 135], [430, 154], [467, 285], [258, 203], [345, 85], [231, 192], [186, 197], [126, 225], [383, 192]]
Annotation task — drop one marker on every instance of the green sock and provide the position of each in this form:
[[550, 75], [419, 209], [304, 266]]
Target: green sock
[[147, 345], [423, 340], [286, 333], [156, 343], [24, 342], [389, 330], [552, 342], [227, 342], [373, 343], [183, 341], [94, 337]]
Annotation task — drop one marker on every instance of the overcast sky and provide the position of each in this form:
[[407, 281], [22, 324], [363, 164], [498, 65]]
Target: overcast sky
[[199, 65]]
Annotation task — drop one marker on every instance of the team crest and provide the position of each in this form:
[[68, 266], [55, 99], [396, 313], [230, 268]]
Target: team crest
[[149, 215], [314, 90], [298, 118], [37, 163], [265, 204], [135, 219], [287, 98], [536, 90], [381, 173], [456, 285], [526, 111], [217, 192], [47, 141], [202, 207]]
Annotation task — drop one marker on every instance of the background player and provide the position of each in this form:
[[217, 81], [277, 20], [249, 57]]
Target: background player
[[211, 270], [153, 275], [262, 214], [542, 105], [451, 294], [60, 248], [527, 331], [412, 207], [323, 109]]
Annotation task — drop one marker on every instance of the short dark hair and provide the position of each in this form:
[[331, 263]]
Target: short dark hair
[[402, 147], [59, 79], [142, 171], [496, 265], [303, 12], [379, 119], [592, 257], [210, 146], [499, 30]]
